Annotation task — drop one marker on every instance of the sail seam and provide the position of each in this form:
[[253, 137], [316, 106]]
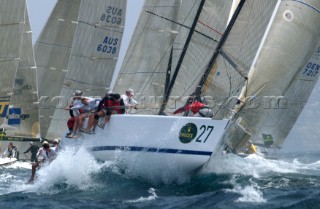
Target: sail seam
[[46, 43], [105, 28]]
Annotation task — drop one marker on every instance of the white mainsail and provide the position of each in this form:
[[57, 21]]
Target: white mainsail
[[281, 81], [171, 36], [94, 53], [146, 61], [52, 53], [12, 14], [23, 116], [212, 22]]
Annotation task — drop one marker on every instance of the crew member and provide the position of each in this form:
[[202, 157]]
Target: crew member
[[46, 154], [251, 148]]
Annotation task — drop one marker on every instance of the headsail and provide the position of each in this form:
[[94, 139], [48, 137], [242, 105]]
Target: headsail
[[12, 14], [93, 57], [282, 78], [146, 61], [52, 52], [23, 116]]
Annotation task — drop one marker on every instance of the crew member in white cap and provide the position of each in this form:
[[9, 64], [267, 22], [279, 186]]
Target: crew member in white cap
[[45, 155], [128, 100], [56, 146]]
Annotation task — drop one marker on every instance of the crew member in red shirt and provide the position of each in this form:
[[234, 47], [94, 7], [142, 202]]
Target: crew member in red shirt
[[192, 105]]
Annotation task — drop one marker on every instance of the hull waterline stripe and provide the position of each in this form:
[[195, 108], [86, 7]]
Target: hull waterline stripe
[[150, 149]]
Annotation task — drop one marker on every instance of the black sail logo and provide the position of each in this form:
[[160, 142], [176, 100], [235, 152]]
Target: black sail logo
[[188, 133]]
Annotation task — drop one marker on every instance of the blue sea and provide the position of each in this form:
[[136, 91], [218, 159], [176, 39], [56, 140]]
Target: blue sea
[[76, 180]]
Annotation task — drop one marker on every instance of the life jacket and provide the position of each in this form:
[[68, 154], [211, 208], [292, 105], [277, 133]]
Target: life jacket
[[118, 107], [70, 123], [108, 103]]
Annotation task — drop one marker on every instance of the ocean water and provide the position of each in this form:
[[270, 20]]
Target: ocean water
[[76, 180]]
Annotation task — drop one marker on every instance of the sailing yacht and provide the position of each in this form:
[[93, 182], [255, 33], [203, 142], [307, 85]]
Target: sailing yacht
[[167, 35], [165, 61], [20, 113]]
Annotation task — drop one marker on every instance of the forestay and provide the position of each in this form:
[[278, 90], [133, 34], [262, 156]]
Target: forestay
[[11, 29], [94, 53]]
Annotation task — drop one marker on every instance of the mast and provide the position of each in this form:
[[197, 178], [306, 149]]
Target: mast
[[171, 83], [219, 50], [168, 75]]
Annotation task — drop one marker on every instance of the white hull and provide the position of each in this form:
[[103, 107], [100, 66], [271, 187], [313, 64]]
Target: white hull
[[162, 139], [7, 161]]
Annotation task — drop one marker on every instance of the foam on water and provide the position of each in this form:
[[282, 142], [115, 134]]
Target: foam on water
[[249, 194], [76, 168], [152, 196], [255, 168], [72, 167]]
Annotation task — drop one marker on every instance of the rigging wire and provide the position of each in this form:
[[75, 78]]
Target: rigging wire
[[196, 31]]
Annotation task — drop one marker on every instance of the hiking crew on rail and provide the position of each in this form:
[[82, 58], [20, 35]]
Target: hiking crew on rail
[[110, 104]]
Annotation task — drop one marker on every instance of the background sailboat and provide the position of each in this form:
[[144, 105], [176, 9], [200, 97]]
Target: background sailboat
[[23, 110], [12, 14], [22, 119], [89, 55]]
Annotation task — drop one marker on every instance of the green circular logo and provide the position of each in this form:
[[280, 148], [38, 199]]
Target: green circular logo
[[188, 133]]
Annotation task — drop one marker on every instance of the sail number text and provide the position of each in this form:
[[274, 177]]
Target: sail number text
[[312, 69], [109, 45], [205, 132], [112, 15]]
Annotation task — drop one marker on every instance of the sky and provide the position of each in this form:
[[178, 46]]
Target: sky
[[305, 135]]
